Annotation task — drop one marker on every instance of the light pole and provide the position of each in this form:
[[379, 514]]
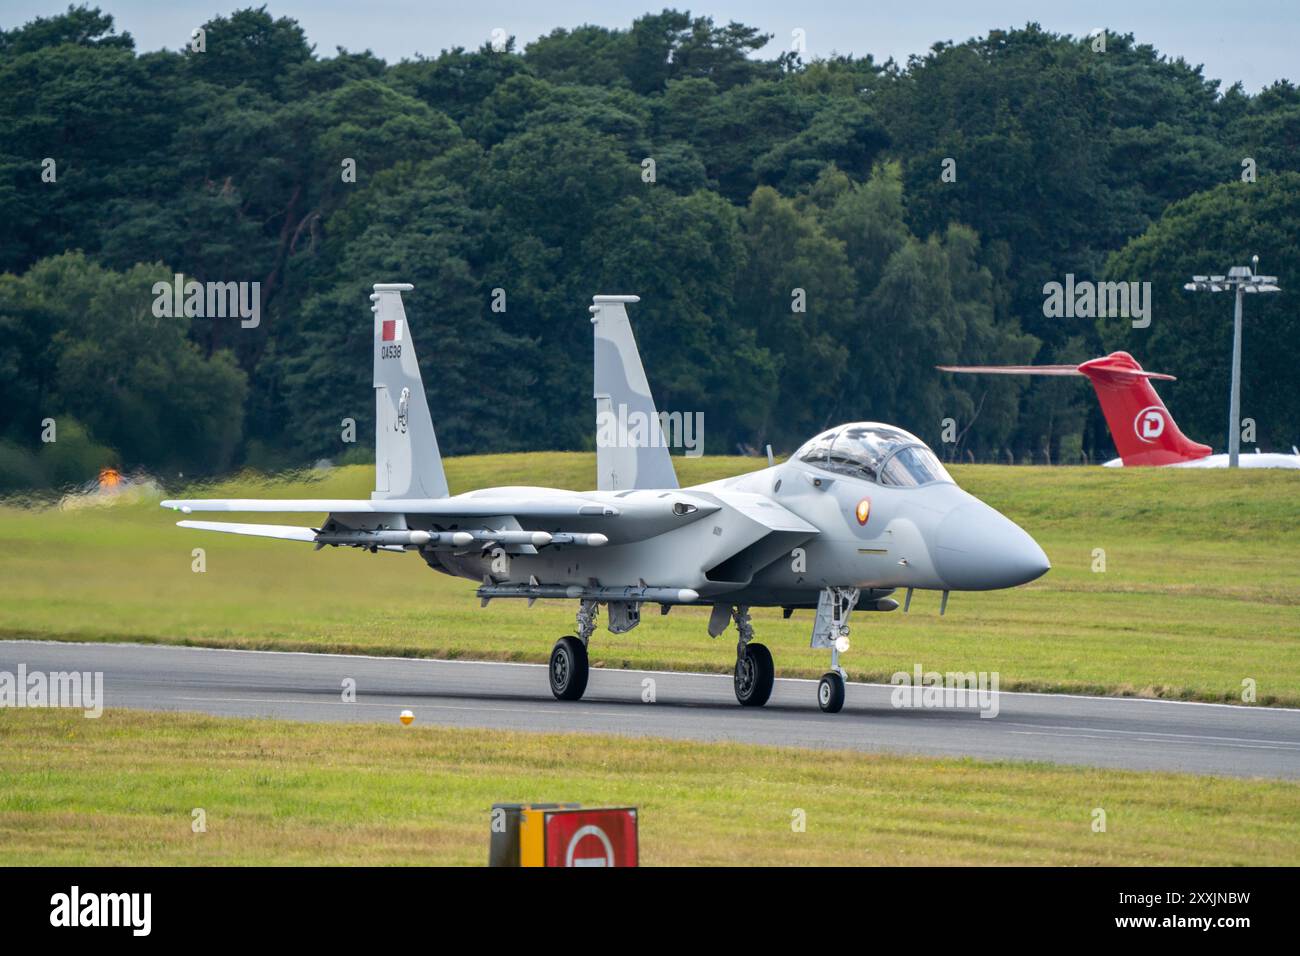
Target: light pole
[[1240, 279]]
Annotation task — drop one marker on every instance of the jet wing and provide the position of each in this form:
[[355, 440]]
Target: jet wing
[[458, 507], [282, 531], [519, 516]]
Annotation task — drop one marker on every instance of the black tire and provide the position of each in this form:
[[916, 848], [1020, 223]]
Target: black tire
[[754, 676], [830, 693], [568, 670]]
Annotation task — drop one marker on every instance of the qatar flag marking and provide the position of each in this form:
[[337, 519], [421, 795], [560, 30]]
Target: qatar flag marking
[[392, 331]]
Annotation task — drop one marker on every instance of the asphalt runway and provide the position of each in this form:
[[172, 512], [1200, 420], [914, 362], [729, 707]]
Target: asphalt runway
[[1098, 731]]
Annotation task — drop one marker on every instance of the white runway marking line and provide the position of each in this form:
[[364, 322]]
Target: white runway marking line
[[1281, 711], [1278, 744], [1236, 743], [1032, 733], [339, 703]]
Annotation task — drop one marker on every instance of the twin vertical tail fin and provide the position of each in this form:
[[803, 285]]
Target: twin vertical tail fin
[[630, 448], [407, 461], [1143, 430]]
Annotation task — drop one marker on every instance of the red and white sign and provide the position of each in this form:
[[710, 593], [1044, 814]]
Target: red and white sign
[[392, 331], [591, 838]]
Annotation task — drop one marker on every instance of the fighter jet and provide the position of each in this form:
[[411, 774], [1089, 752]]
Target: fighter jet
[[855, 514], [1142, 428]]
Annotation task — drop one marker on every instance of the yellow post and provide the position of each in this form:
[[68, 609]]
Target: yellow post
[[532, 837]]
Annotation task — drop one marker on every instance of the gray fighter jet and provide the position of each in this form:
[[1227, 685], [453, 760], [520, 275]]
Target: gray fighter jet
[[859, 511]]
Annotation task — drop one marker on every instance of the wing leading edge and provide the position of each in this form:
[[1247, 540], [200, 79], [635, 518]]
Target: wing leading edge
[[282, 531], [445, 507]]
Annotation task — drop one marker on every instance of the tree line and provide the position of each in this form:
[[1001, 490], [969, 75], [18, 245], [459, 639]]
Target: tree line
[[809, 239]]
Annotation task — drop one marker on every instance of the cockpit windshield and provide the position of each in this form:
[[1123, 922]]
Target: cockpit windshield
[[913, 465], [878, 453]]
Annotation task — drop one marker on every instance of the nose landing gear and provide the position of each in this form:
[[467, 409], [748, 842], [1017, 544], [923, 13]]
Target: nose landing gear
[[830, 692], [831, 629]]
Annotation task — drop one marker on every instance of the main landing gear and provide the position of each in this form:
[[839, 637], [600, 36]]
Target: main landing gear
[[755, 673], [569, 669]]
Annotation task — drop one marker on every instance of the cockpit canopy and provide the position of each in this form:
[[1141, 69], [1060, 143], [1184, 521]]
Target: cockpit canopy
[[879, 453]]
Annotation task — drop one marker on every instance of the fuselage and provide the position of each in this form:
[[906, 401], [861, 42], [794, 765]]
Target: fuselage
[[1257, 460], [780, 535]]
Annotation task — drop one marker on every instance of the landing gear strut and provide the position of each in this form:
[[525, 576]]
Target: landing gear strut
[[831, 629], [568, 669], [754, 670]]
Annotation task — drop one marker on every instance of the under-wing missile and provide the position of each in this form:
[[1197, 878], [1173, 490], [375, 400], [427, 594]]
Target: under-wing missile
[[536, 538], [589, 540], [572, 591], [369, 539]]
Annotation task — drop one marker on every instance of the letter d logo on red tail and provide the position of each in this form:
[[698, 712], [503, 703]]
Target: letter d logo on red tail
[[1149, 424]]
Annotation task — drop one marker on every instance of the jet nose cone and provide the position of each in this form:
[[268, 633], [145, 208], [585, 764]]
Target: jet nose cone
[[978, 549]]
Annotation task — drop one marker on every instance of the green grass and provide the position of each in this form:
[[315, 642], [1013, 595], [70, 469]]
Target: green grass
[[1200, 590], [122, 790]]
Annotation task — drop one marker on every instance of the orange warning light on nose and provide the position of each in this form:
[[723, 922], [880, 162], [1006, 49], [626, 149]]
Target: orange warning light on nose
[[864, 510]]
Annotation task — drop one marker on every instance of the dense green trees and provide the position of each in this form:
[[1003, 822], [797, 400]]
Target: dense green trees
[[1191, 332], [809, 239], [81, 344]]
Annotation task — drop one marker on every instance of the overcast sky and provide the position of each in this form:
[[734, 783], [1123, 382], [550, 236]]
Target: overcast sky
[[1255, 41]]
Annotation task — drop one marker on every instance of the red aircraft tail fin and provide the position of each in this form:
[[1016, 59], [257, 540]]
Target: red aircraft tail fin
[[1143, 430], [1141, 427]]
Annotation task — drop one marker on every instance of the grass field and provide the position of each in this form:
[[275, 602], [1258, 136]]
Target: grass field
[[122, 790], [1201, 588]]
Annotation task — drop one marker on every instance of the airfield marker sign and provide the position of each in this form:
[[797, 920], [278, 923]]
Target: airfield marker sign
[[591, 837], [573, 837]]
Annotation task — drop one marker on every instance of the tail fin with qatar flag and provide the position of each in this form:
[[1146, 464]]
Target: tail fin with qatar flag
[[407, 461]]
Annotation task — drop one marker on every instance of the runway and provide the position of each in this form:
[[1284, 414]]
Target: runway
[[1095, 731]]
